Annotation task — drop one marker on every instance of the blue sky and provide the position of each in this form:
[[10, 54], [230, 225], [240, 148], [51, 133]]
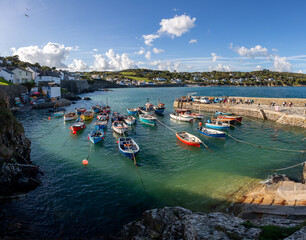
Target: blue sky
[[181, 35]]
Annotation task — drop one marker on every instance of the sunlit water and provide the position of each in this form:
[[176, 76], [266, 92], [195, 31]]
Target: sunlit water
[[78, 201]]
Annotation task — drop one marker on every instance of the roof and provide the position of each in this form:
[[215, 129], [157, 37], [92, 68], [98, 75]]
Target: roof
[[5, 70], [21, 70], [48, 73]]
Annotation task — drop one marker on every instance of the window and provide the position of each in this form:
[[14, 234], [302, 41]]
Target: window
[[20, 73]]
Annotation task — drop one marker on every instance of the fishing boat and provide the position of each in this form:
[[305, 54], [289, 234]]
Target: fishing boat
[[148, 119], [106, 109], [70, 116], [181, 117], [77, 126], [224, 120], [80, 110], [128, 147], [189, 113], [96, 136], [217, 125], [103, 116], [147, 109], [129, 120], [88, 115], [59, 114], [188, 139], [233, 117], [119, 127], [132, 111], [159, 109], [97, 109], [100, 124], [223, 113], [116, 117], [211, 132]]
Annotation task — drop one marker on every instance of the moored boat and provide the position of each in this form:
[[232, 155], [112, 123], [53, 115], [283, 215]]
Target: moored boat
[[116, 117], [181, 117], [70, 116], [147, 119], [129, 120], [159, 109], [128, 147], [59, 114], [88, 115], [232, 117], [97, 109], [223, 113], [188, 112], [80, 110], [100, 124], [106, 109], [132, 111], [119, 127], [188, 139], [103, 116], [211, 132], [77, 126], [96, 136], [217, 125]]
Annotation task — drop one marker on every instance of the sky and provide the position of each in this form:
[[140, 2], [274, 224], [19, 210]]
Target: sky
[[194, 35]]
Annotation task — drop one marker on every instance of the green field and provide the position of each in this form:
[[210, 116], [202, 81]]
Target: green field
[[4, 82], [131, 75], [128, 73]]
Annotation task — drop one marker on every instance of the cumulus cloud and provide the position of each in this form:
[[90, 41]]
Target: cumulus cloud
[[214, 56], [300, 71], [77, 65], [167, 65], [52, 54], [281, 64], [193, 41], [220, 68], [176, 26], [150, 38], [157, 51], [257, 51], [112, 62], [95, 50], [148, 55], [258, 67], [141, 51]]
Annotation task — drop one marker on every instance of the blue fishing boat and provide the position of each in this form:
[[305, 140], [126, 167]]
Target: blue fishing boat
[[223, 113], [116, 117], [100, 124], [159, 109], [59, 114], [217, 125], [96, 136], [132, 111], [97, 109], [211, 132], [128, 147], [147, 119]]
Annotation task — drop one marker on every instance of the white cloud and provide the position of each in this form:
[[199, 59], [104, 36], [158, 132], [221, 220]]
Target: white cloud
[[167, 65], [177, 25], [150, 38], [281, 64], [300, 71], [112, 62], [157, 51], [52, 54], [214, 57], [193, 41], [220, 68], [148, 55], [77, 65], [258, 67], [95, 50], [257, 51], [141, 51]]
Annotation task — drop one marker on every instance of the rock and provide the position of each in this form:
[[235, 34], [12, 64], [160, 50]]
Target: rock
[[286, 223], [299, 235], [180, 223], [87, 98]]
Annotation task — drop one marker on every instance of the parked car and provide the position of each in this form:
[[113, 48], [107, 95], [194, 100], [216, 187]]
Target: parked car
[[204, 100]]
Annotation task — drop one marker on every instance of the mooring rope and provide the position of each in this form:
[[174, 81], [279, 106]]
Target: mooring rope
[[281, 169], [89, 151], [166, 126], [261, 146]]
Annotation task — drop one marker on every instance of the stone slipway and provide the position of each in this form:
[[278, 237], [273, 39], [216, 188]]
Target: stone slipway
[[294, 116]]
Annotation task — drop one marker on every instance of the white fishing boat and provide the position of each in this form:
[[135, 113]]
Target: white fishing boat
[[181, 117], [129, 120], [70, 116], [119, 127]]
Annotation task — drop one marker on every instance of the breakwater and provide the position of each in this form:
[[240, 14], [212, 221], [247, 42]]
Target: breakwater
[[260, 108]]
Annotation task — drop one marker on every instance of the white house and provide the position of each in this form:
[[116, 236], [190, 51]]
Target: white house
[[21, 75], [53, 90], [34, 71], [1, 60], [7, 75], [48, 76], [160, 79]]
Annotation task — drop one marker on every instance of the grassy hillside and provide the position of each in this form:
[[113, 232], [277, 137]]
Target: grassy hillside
[[4, 82]]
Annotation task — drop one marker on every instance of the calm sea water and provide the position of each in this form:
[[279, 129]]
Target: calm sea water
[[78, 201]]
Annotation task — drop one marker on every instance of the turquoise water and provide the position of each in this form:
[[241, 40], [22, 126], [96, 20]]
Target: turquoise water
[[78, 201]]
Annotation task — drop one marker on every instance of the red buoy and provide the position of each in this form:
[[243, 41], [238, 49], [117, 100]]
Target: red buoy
[[85, 162]]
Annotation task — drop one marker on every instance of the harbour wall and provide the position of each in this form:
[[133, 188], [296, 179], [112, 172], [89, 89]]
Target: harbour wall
[[10, 92], [75, 86], [253, 110]]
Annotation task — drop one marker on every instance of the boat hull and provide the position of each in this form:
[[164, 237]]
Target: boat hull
[[132, 112], [129, 153], [160, 111], [76, 128], [214, 135], [181, 118], [214, 126], [151, 122], [190, 143]]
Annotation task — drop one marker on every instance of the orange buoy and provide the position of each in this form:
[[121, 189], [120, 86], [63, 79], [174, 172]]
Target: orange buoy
[[85, 162], [117, 141], [200, 123], [49, 118]]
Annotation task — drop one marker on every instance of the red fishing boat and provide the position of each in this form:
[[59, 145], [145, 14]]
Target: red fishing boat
[[106, 109], [77, 126], [188, 139], [237, 118]]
